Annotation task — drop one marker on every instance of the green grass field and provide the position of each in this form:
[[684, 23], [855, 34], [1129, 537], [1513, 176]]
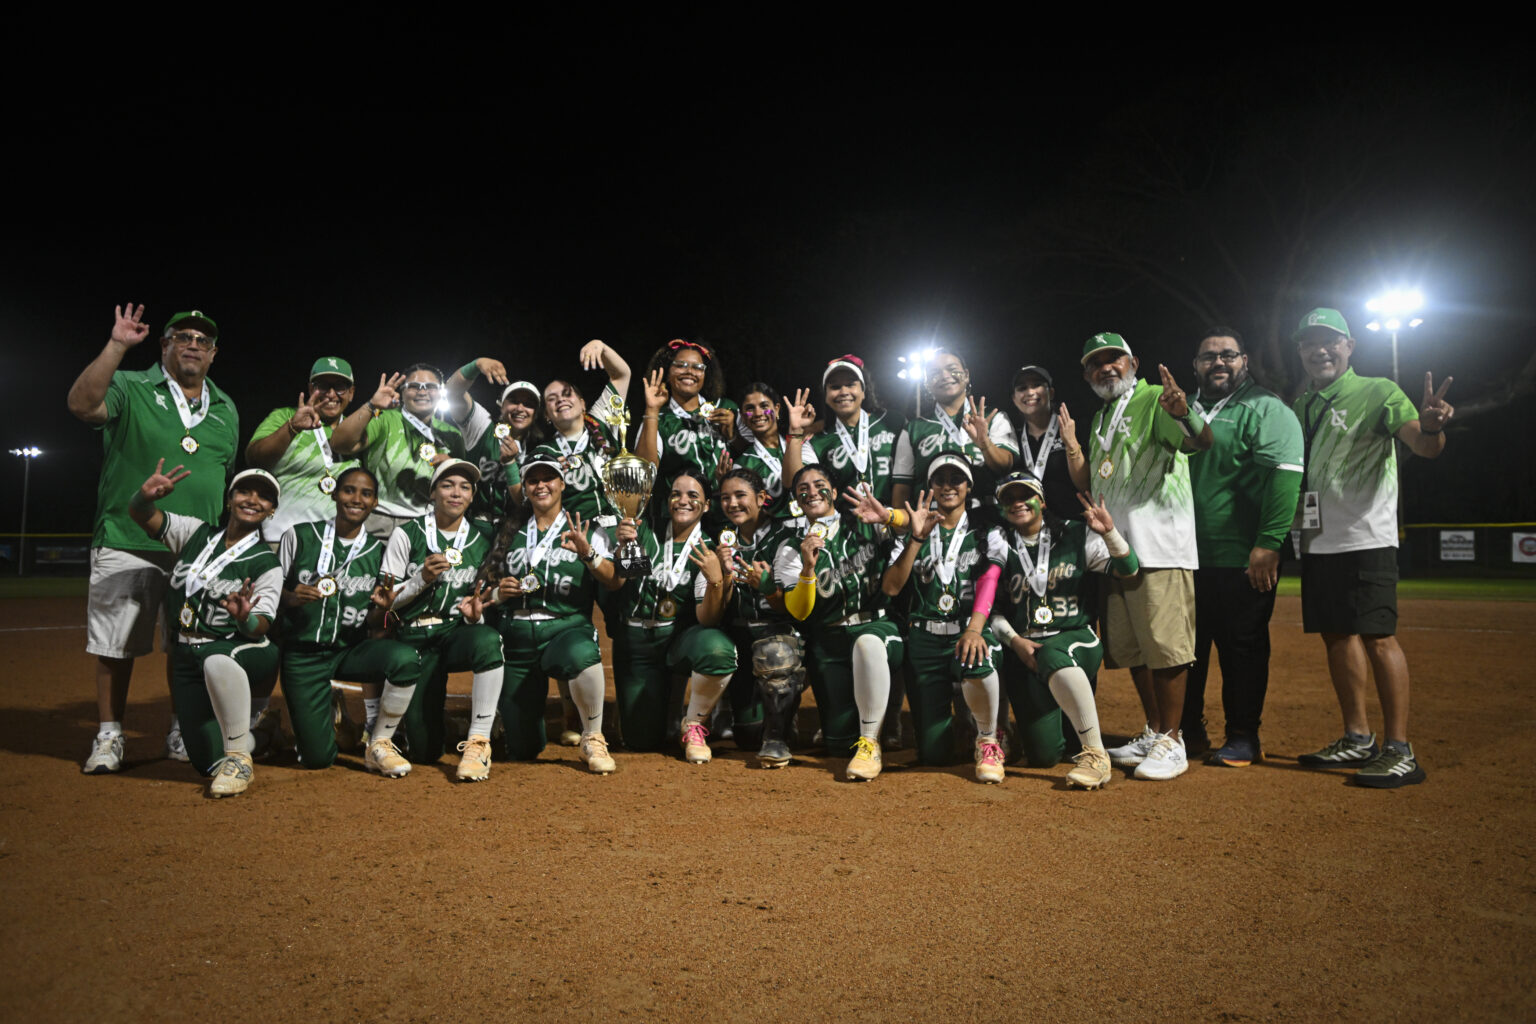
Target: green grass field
[[1290, 586]]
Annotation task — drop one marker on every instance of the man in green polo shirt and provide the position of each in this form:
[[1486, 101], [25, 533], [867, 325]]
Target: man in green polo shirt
[[294, 443], [1349, 539], [1245, 489], [1136, 464], [170, 411]]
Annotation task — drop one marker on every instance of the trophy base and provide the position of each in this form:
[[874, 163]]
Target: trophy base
[[633, 564]]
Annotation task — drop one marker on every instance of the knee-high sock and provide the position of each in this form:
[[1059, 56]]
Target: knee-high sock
[[703, 694], [484, 695], [393, 705], [587, 695], [229, 691], [981, 696], [1070, 688], [871, 684]]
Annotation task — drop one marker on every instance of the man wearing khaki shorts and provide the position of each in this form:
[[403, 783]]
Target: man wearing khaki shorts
[[170, 411], [1136, 463]]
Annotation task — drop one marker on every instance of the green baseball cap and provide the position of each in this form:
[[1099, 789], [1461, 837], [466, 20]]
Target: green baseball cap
[[331, 366], [1104, 341], [194, 318], [1322, 317]]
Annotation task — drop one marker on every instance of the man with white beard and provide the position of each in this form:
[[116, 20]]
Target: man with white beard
[[1136, 463]]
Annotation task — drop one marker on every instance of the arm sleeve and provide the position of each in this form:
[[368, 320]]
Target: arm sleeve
[[986, 589], [397, 555], [800, 600]]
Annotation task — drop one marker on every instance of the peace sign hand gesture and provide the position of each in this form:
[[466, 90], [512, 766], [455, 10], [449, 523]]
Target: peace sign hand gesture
[[1435, 411]]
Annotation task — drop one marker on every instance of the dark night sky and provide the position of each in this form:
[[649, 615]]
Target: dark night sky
[[785, 213]]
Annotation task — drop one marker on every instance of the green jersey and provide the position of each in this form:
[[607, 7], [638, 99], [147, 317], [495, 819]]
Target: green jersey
[[926, 437], [848, 568], [566, 586], [404, 555], [1027, 587], [944, 573], [747, 604], [307, 472], [144, 424], [1135, 465], [675, 586], [767, 463], [1348, 429], [1246, 485], [312, 553], [207, 572], [400, 454], [688, 440], [864, 454]]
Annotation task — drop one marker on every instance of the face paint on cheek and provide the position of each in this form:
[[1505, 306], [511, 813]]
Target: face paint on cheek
[[825, 492], [1035, 505]]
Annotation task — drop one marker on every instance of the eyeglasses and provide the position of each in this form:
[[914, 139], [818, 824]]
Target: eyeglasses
[[945, 373], [423, 385], [321, 389], [684, 364], [191, 339], [1228, 356]]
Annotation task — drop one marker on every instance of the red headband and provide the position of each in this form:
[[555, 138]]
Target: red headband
[[678, 343], [855, 360]]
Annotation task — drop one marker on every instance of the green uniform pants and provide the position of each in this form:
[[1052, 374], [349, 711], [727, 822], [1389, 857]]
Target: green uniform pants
[[829, 659], [1036, 711], [455, 647], [935, 670], [534, 652], [307, 676], [189, 691], [644, 664]]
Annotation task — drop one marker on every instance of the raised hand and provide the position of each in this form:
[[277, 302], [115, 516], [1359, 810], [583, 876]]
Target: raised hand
[[725, 421], [1096, 515], [509, 449], [238, 604], [801, 414], [976, 423], [129, 328], [924, 516], [388, 394], [809, 547], [472, 606], [1173, 399], [866, 506], [708, 562], [655, 390], [1435, 411], [161, 483], [576, 537], [305, 417], [383, 595], [591, 355], [492, 370], [725, 464], [1066, 427]]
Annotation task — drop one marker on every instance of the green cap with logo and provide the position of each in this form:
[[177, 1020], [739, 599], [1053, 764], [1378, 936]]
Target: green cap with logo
[[331, 366], [1322, 317], [194, 318], [1104, 341]]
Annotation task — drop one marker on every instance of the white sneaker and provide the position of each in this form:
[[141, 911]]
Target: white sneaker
[[594, 751], [695, 746], [1136, 751], [384, 757], [1166, 760], [106, 754], [231, 774], [175, 746]]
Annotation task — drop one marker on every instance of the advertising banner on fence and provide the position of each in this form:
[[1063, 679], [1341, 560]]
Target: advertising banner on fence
[[1523, 548], [1457, 546]]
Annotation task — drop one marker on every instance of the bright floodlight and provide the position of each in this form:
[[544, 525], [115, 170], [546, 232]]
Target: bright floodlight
[[1415, 321], [1397, 302], [27, 453], [902, 374]]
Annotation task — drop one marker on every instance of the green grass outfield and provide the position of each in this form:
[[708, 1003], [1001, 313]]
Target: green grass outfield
[[1423, 589]]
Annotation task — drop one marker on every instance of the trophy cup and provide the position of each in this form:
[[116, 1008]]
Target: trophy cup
[[628, 480]]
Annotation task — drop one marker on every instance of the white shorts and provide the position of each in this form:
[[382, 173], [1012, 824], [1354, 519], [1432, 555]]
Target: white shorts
[[125, 598]]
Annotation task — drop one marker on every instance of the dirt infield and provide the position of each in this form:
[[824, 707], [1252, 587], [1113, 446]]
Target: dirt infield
[[726, 893]]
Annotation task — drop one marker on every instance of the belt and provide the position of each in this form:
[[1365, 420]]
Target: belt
[[857, 619], [427, 620], [652, 623], [533, 615], [1040, 634], [195, 639], [937, 626]]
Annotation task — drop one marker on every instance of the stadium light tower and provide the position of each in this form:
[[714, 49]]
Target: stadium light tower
[[1394, 310], [913, 364], [26, 455]]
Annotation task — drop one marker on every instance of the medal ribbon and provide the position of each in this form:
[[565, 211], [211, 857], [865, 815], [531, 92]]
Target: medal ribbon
[[1036, 572], [1107, 438], [772, 461], [354, 547], [189, 419], [539, 550], [1036, 463], [672, 575], [858, 453], [1195, 402], [429, 527], [203, 570], [323, 441], [421, 428], [947, 561], [953, 430]]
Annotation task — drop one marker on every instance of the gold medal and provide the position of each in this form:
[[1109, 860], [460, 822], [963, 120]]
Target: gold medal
[[666, 608], [1106, 468], [946, 603], [186, 617], [454, 555], [327, 586], [427, 451], [189, 444], [530, 583], [1043, 616], [818, 530], [503, 431], [327, 484], [728, 538], [706, 409], [794, 508]]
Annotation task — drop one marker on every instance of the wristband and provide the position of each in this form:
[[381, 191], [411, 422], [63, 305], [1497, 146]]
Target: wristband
[[765, 584], [251, 624], [1117, 544], [1187, 427], [1004, 630], [470, 370]]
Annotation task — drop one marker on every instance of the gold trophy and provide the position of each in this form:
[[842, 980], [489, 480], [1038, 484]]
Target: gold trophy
[[628, 481]]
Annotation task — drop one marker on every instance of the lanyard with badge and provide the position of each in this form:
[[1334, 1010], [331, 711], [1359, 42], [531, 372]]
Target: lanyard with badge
[[1106, 439], [202, 571], [189, 419], [323, 442], [1036, 572], [946, 560], [538, 550], [427, 450], [1311, 500]]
